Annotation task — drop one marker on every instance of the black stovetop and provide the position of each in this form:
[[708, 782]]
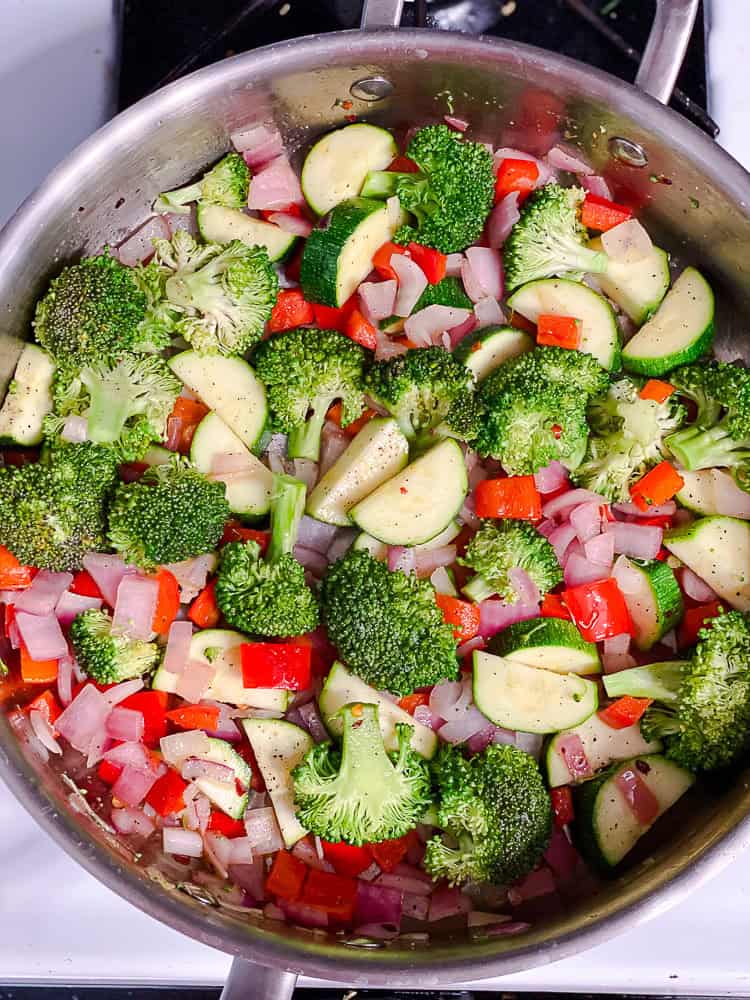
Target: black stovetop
[[163, 39]]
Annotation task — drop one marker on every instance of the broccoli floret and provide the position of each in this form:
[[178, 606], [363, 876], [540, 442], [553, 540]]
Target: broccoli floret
[[52, 512], [627, 438], [225, 184], [304, 372], [172, 513], [464, 418], [418, 387], [450, 196], [720, 433], [97, 310], [126, 403], [269, 596], [549, 239], [225, 293], [361, 794], [387, 625], [497, 549], [701, 707], [575, 370], [495, 809], [106, 656]]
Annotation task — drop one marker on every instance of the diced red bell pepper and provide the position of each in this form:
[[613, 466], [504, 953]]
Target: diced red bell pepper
[[153, 707], [624, 712], [291, 209], [287, 876], [167, 602], [109, 772], [516, 175], [352, 429], [47, 704], [514, 496], [346, 858], [291, 310], [432, 262], [204, 611], [185, 416], [657, 390], [403, 165], [194, 717], [598, 609], [361, 330], [411, 701], [331, 318], [336, 894], [234, 531], [219, 822], [553, 607], [37, 671], [462, 615], [166, 794], [389, 853], [562, 805], [85, 585], [13, 576], [694, 620], [602, 214], [275, 665], [382, 260], [657, 486], [558, 331]]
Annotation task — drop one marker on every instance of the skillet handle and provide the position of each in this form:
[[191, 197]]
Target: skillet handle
[[382, 14], [666, 47], [257, 982]]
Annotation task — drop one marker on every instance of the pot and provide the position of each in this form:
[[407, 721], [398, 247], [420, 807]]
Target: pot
[[695, 201]]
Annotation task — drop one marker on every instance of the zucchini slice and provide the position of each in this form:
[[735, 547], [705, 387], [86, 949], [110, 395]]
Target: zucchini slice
[[336, 166], [342, 687], [217, 224], [516, 696], [485, 350], [548, 643], [602, 745], [376, 454], [28, 399], [606, 828], [656, 605], [418, 503], [717, 549], [637, 287], [680, 330], [229, 386], [278, 747], [600, 336], [225, 796], [248, 495], [338, 254], [376, 548], [713, 491]]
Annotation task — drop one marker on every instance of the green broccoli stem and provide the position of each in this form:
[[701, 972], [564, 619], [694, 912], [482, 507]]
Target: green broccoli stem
[[478, 589], [287, 508], [110, 407], [178, 201], [381, 183], [304, 441], [704, 448], [659, 681]]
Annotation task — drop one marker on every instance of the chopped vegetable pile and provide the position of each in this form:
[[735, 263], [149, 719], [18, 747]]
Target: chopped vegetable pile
[[377, 538]]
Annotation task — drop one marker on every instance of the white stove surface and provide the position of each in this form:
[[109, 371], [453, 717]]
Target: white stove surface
[[58, 925]]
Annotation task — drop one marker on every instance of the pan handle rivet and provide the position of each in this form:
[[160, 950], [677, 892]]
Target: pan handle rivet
[[632, 154], [371, 88]]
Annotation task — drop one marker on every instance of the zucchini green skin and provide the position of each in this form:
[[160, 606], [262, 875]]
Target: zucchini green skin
[[339, 162], [667, 598], [584, 828], [654, 367], [539, 634], [485, 350]]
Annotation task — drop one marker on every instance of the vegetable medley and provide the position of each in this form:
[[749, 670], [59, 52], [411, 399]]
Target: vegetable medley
[[375, 540]]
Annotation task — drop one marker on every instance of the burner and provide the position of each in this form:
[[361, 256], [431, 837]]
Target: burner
[[164, 39]]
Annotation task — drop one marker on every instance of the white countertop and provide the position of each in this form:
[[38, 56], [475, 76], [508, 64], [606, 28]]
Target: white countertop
[[58, 924]]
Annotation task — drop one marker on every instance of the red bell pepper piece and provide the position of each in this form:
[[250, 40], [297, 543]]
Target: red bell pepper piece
[[109, 772], [85, 585], [219, 822], [166, 794], [153, 706], [657, 390], [553, 607], [558, 331], [351, 430], [562, 805], [382, 260], [389, 853], [167, 602], [291, 310], [194, 717], [411, 701], [275, 665], [516, 175], [335, 894], [602, 214], [234, 531], [624, 712], [403, 165], [47, 704], [346, 858], [287, 876], [185, 416], [432, 262], [330, 318], [37, 671], [291, 209], [361, 330], [514, 496], [204, 611], [13, 576], [694, 620], [598, 609], [462, 615], [657, 486]]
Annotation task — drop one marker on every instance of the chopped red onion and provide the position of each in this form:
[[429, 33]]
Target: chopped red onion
[[502, 219], [425, 327], [275, 186], [639, 541], [600, 549], [629, 579], [370, 873], [580, 570], [425, 717], [43, 731], [416, 907], [526, 590], [304, 914], [218, 850], [130, 754], [546, 528], [561, 538], [638, 796], [428, 560], [135, 606], [194, 680], [177, 652], [42, 636], [311, 560], [401, 558], [132, 822], [65, 680], [193, 767], [71, 605], [313, 722], [316, 535], [250, 878], [695, 587], [728, 498], [487, 267], [305, 850], [114, 695], [478, 918], [457, 333], [295, 224], [75, 429], [272, 912], [488, 312], [376, 904], [560, 505], [387, 348], [481, 739], [341, 543], [228, 463], [540, 882], [191, 575], [530, 743], [133, 785], [495, 615], [447, 902], [459, 124], [467, 513], [241, 852], [628, 242], [402, 883], [616, 653], [125, 724], [571, 750], [595, 184], [468, 647], [586, 518], [445, 697], [506, 929], [551, 478], [138, 246], [251, 140], [462, 728], [176, 840], [563, 158], [179, 746], [561, 856], [263, 831], [306, 471], [412, 281], [19, 723], [44, 593], [377, 299], [333, 444], [453, 265]]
